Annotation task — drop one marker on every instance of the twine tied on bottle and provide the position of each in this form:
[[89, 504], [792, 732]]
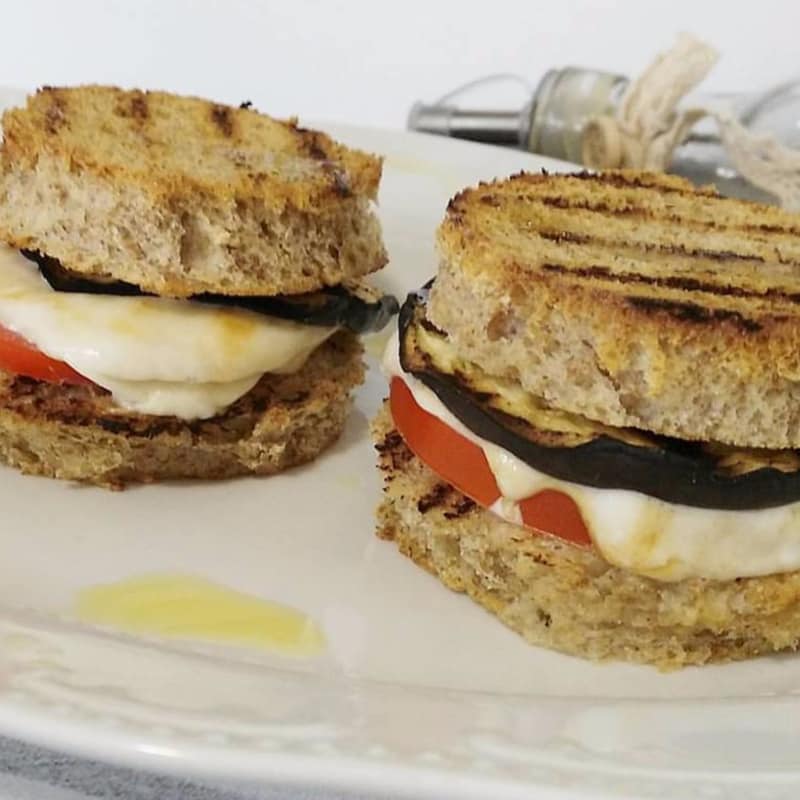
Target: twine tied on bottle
[[647, 126]]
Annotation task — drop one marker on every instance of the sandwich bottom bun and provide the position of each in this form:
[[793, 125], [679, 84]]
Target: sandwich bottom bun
[[568, 598], [76, 432]]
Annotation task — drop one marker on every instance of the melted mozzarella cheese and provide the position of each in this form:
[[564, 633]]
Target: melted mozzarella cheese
[[514, 478], [651, 537], [192, 400], [155, 355]]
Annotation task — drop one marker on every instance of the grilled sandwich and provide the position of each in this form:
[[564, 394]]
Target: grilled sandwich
[[593, 417], [181, 287]]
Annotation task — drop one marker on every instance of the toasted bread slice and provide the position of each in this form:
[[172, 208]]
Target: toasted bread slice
[[182, 196], [630, 298], [76, 432], [568, 598]]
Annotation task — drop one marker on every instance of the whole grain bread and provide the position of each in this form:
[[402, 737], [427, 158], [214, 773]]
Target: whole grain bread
[[182, 196], [568, 598], [631, 298], [77, 433]]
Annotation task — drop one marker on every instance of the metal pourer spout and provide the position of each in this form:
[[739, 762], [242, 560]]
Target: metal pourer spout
[[493, 127], [550, 122]]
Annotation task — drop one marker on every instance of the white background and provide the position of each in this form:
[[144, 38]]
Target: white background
[[366, 62]]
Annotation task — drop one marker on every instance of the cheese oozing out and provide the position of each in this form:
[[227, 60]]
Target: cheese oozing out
[[646, 535], [155, 355]]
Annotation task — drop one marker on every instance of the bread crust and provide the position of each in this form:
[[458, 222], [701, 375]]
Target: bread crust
[[568, 598], [77, 433], [631, 298], [180, 195]]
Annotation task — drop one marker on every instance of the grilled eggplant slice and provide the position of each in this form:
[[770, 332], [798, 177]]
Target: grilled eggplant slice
[[355, 306], [577, 449]]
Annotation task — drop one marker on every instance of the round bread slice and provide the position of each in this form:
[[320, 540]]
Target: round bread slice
[[76, 432], [630, 298], [568, 598], [181, 196]]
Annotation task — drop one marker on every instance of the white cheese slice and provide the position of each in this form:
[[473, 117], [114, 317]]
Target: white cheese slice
[[155, 355]]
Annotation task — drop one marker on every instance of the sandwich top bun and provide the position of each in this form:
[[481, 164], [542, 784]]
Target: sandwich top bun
[[181, 196], [631, 298]]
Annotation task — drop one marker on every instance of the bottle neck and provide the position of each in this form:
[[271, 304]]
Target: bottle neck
[[564, 100]]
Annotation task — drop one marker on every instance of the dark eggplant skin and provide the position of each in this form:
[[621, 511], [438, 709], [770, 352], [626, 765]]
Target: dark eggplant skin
[[676, 471], [328, 307], [331, 306]]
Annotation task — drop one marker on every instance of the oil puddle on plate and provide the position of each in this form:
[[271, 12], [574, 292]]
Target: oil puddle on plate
[[195, 609]]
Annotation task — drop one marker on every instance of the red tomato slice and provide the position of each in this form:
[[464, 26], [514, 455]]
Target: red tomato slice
[[451, 456], [551, 511], [463, 464], [19, 356]]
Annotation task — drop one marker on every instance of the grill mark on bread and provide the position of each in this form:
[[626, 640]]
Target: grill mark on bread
[[138, 106], [444, 496], [630, 209], [461, 506], [598, 271], [669, 249], [341, 187], [312, 143], [684, 311], [146, 431], [221, 117], [312, 146], [55, 117], [133, 107], [437, 496], [394, 454], [339, 184], [615, 181], [693, 313], [295, 398], [636, 182], [657, 215]]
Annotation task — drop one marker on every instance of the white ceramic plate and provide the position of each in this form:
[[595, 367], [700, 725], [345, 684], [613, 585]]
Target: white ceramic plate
[[420, 693]]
